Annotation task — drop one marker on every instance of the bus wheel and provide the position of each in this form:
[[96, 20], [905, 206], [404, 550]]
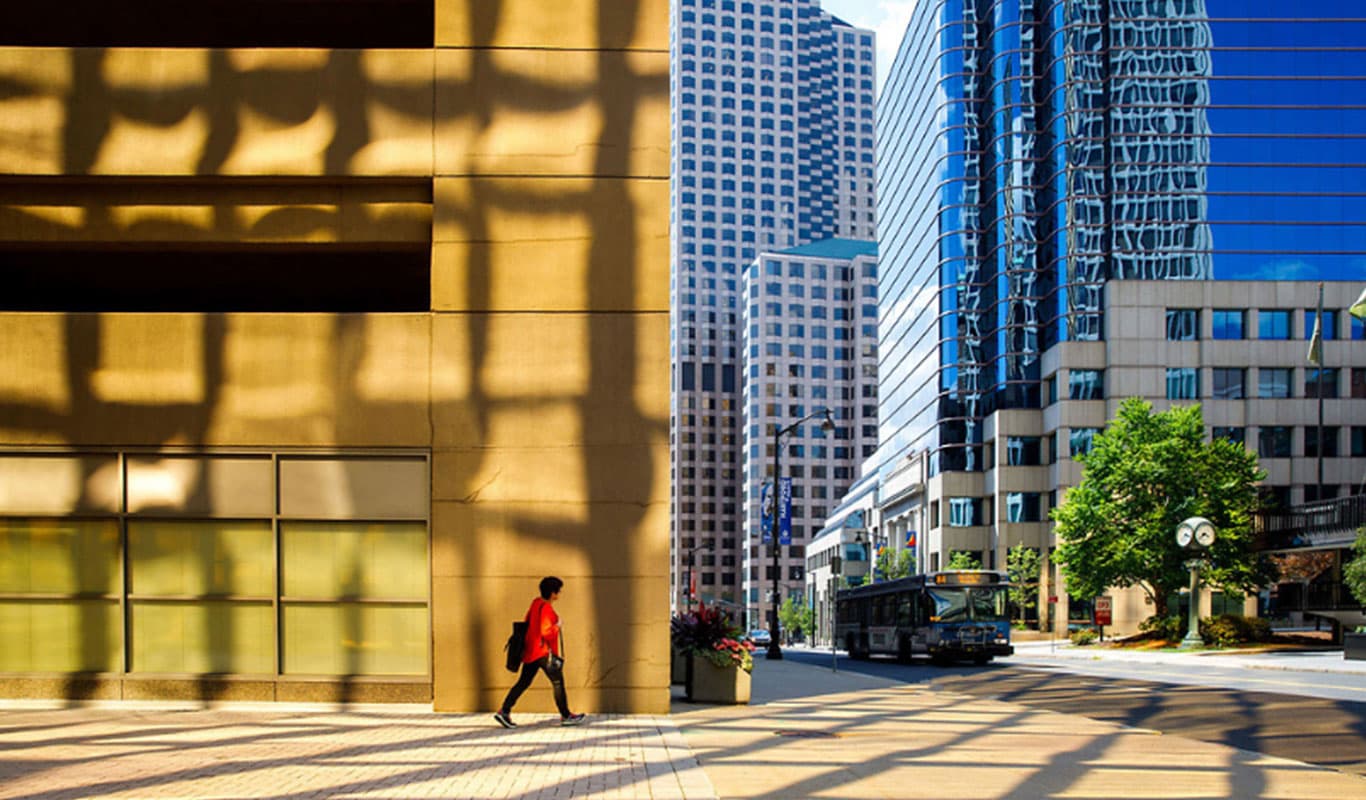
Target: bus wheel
[[941, 659], [981, 660]]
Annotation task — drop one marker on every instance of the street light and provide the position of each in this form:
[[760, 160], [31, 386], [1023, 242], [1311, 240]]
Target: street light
[[707, 545], [775, 652]]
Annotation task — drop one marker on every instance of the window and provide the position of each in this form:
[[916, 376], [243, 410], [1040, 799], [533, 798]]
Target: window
[[1273, 382], [1359, 441], [1183, 324], [1080, 440], [1329, 382], [1227, 323], [1273, 323], [1022, 507], [1358, 382], [1330, 324], [1023, 451], [1228, 383], [1183, 383], [1273, 441], [1233, 434], [1330, 441], [1051, 382], [1086, 384], [965, 512]]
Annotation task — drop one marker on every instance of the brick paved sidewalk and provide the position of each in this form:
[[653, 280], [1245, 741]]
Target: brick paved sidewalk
[[312, 753]]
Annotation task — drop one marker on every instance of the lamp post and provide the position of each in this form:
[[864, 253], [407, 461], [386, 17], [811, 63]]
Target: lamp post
[[708, 545], [775, 652]]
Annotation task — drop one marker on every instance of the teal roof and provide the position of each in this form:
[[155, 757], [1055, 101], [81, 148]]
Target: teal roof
[[832, 248]]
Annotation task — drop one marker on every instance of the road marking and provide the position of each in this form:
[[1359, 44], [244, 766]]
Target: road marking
[[1187, 679]]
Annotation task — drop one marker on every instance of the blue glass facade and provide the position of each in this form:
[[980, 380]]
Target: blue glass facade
[[1030, 151]]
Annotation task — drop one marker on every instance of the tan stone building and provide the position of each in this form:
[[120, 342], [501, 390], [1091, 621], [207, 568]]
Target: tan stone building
[[329, 329]]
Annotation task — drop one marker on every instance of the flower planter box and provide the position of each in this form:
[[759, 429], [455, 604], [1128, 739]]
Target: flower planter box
[[713, 684], [678, 668], [1354, 646]]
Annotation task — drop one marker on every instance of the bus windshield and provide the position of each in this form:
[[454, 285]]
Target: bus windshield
[[961, 605]]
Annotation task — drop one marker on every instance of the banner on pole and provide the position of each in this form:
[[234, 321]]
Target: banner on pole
[[766, 512], [785, 519]]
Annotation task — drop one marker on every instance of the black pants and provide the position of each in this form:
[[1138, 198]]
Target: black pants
[[529, 671]]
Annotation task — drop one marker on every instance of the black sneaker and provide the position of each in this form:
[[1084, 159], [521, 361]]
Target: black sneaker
[[505, 719], [573, 719]]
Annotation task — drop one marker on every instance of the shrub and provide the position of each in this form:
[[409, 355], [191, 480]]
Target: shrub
[[1083, 637], [701, 630], [1169, 628], [1227, 630]]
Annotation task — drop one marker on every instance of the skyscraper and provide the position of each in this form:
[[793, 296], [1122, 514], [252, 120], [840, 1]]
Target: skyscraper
[[810, 346], [1086, 200], [772, 149]]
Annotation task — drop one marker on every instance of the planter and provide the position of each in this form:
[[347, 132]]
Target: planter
[[713, 684], [678, 668], [1354, 646]]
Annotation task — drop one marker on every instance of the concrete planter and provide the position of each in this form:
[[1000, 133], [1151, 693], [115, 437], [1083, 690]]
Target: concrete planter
[[678, 668], [713, 684], [1354, 646]]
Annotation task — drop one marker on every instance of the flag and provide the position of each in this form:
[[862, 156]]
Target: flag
[[1316, 342], [1358, 309]]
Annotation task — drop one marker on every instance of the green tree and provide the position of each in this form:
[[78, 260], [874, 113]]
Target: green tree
[[797, 617], [1145, 474], [963, 559], [1354, 571], [893, 564], [1024, 565]]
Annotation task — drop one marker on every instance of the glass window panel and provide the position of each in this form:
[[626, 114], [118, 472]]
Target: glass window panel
[[203, 637], [201, 558], [1273, 324], [1228, 383], [59, 556], [1183, 324], [1183, 383], [60, 636], [1273, 382], [324, 560], [1086, 384], [1330, 323], [354, 639], [1228, 324]]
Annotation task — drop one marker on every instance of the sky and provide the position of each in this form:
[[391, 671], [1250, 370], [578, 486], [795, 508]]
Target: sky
[[887, 17]]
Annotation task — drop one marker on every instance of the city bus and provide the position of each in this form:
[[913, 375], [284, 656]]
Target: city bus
[[948, 616]]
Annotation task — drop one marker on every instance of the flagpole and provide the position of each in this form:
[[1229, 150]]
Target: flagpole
[[1318, 330]]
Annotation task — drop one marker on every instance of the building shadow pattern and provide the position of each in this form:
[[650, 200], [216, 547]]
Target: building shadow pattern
[[229, 90]]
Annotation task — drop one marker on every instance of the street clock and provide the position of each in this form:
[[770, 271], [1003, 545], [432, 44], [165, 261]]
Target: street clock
[[1196, 533]]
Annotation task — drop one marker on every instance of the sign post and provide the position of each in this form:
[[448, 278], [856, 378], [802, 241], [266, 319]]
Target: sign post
[[1103, 608], [835, 565]]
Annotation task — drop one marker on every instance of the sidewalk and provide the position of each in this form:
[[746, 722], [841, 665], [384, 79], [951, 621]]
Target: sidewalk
[[152, 751], [1296, 660], [809, 733], [812, 733]]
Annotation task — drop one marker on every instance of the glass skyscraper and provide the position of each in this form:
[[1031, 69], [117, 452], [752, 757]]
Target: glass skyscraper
[[1033, 150], [772, 148], [1086, 200]]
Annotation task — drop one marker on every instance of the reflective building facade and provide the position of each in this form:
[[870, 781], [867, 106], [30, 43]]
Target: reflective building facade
[[1040, 163]]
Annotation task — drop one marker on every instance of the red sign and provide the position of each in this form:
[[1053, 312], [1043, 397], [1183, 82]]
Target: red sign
[[1103, 608]]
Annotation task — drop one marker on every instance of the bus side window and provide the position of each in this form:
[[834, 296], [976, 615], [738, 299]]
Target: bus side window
[[903, 611]]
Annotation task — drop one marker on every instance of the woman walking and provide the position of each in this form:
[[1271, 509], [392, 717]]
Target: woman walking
[[542, 651]]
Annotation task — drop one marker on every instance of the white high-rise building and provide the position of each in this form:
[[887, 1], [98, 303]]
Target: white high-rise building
[[810, 347], [772, 107]]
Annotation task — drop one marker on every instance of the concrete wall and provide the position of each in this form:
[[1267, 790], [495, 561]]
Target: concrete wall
[[528, 149]]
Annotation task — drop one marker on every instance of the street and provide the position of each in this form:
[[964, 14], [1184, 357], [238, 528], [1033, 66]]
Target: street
[[1314, 717]]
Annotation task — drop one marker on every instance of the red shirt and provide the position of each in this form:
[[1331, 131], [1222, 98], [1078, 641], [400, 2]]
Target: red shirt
[[542, 631]]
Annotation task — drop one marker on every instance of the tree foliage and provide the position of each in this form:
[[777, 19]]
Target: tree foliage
[[963, 559], [893, 564], [1354, 571], [797, 616], [1145, 474], [1024, 564]]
